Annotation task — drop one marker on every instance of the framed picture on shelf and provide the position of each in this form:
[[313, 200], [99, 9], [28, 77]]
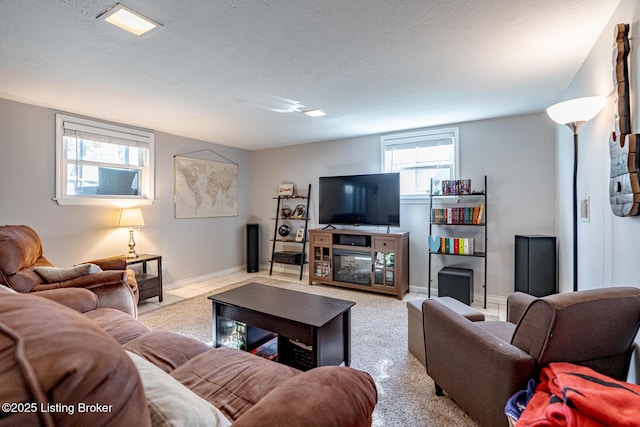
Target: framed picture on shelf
[[285, 190], [285, 212], [298, 212], [300, 235]]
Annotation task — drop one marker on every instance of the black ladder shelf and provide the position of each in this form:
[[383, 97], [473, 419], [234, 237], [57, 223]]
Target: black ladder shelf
[[279, 219], [482, 197]]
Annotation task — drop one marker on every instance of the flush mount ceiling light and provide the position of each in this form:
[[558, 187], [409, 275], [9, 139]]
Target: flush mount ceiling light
[[316, 112], [125, 18]]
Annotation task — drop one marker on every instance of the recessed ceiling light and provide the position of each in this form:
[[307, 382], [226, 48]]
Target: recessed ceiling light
[[316, 112], [125, 18]]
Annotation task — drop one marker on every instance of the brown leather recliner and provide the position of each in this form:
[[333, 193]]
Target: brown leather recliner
[[21, 251], [482, 364]]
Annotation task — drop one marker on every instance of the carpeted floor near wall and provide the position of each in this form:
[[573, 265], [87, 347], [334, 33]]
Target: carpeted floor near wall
[[378, 346]]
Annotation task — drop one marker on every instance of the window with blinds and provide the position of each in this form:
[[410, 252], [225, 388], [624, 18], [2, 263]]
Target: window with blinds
[[102, 164], [420, 156]]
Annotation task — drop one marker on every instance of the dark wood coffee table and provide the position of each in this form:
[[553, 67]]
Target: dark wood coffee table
[[311, 330]]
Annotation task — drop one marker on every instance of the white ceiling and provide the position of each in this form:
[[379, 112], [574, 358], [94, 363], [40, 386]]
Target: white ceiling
[[223, 70]]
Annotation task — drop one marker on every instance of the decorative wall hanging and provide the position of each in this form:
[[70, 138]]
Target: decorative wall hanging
[[205, 188], [624, 147]]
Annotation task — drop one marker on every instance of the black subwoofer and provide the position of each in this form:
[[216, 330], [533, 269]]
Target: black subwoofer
[[253, 245], [535, 265], [456, 283]]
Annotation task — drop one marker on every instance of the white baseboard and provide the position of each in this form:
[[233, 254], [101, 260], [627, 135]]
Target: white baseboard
[[286, 268], [491, 299], [208, 276]]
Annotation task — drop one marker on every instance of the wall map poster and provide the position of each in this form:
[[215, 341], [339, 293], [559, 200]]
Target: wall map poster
[[204, 188]]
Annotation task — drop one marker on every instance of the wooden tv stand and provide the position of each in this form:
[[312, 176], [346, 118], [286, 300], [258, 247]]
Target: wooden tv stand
[[376, 262]]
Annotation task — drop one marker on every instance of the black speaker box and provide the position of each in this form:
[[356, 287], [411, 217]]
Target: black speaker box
[[353, 240], [287, 257], [535, 265], [456, 283], [253, 245]]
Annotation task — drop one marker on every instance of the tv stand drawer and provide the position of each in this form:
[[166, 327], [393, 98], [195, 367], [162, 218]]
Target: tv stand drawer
[[321, 238], [384, 244]]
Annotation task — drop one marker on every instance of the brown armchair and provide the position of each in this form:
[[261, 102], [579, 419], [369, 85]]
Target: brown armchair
[[21, 252], [481, 364]]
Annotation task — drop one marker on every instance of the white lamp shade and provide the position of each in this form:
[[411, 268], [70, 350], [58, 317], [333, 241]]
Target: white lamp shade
[[577, 110], [131, 217]]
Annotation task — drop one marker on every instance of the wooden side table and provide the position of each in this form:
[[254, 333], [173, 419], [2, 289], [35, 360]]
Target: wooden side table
[[149, 284]]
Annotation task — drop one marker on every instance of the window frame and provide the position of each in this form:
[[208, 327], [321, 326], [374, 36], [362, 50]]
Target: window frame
[[142, 138], [402, 138]]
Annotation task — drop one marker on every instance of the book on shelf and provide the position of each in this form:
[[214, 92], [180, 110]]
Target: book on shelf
[[456, 186], [451, 245], [466, 215], [480, 214]]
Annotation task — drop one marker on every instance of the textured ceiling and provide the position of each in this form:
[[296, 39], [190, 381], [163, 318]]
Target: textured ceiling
[[231, 71]]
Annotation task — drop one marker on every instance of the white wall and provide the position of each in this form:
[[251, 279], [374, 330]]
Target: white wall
[[71, 234], [516, 153], [607, 244]]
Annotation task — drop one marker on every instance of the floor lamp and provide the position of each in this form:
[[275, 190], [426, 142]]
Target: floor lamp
[[574, 114]]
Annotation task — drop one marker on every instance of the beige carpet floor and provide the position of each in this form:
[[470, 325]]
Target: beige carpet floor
[[378, 346]]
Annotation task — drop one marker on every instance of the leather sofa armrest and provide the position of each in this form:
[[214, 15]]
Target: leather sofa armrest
[[117, 262], [477, 369], [325, 396], [111, 287], [79, 299], [517, 303]]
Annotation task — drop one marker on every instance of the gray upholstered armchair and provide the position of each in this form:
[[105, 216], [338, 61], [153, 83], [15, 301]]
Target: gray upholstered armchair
[[481, 364]]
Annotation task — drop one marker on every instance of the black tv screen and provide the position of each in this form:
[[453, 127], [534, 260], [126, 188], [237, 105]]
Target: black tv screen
[[372, 199]]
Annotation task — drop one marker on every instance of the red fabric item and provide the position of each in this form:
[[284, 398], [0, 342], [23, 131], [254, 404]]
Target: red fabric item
[[571, 395]]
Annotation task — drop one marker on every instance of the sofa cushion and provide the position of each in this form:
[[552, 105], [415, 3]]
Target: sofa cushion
[[166, 350], [170, 403], [121, 326], [60, 274], [54, 357], [232, 380], [299, 398], [502, 330]]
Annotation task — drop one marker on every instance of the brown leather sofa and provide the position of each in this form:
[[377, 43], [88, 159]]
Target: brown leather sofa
[[481, 365], [21, 254], [59, 367]]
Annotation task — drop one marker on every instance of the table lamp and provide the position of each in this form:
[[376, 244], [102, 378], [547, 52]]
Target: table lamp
[[131, 217]]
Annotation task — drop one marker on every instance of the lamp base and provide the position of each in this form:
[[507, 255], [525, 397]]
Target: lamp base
[[132, 244]]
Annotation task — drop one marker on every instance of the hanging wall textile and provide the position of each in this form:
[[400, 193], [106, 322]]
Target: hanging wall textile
[[204, 188], [624, 147]]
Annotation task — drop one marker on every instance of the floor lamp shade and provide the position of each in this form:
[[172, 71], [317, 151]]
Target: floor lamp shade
[[576, 112]]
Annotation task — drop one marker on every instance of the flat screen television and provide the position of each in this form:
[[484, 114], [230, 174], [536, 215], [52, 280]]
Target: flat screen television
[[372, 199]]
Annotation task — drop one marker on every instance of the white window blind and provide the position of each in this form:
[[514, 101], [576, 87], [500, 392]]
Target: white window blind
[[420, 156], [103, 164]]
